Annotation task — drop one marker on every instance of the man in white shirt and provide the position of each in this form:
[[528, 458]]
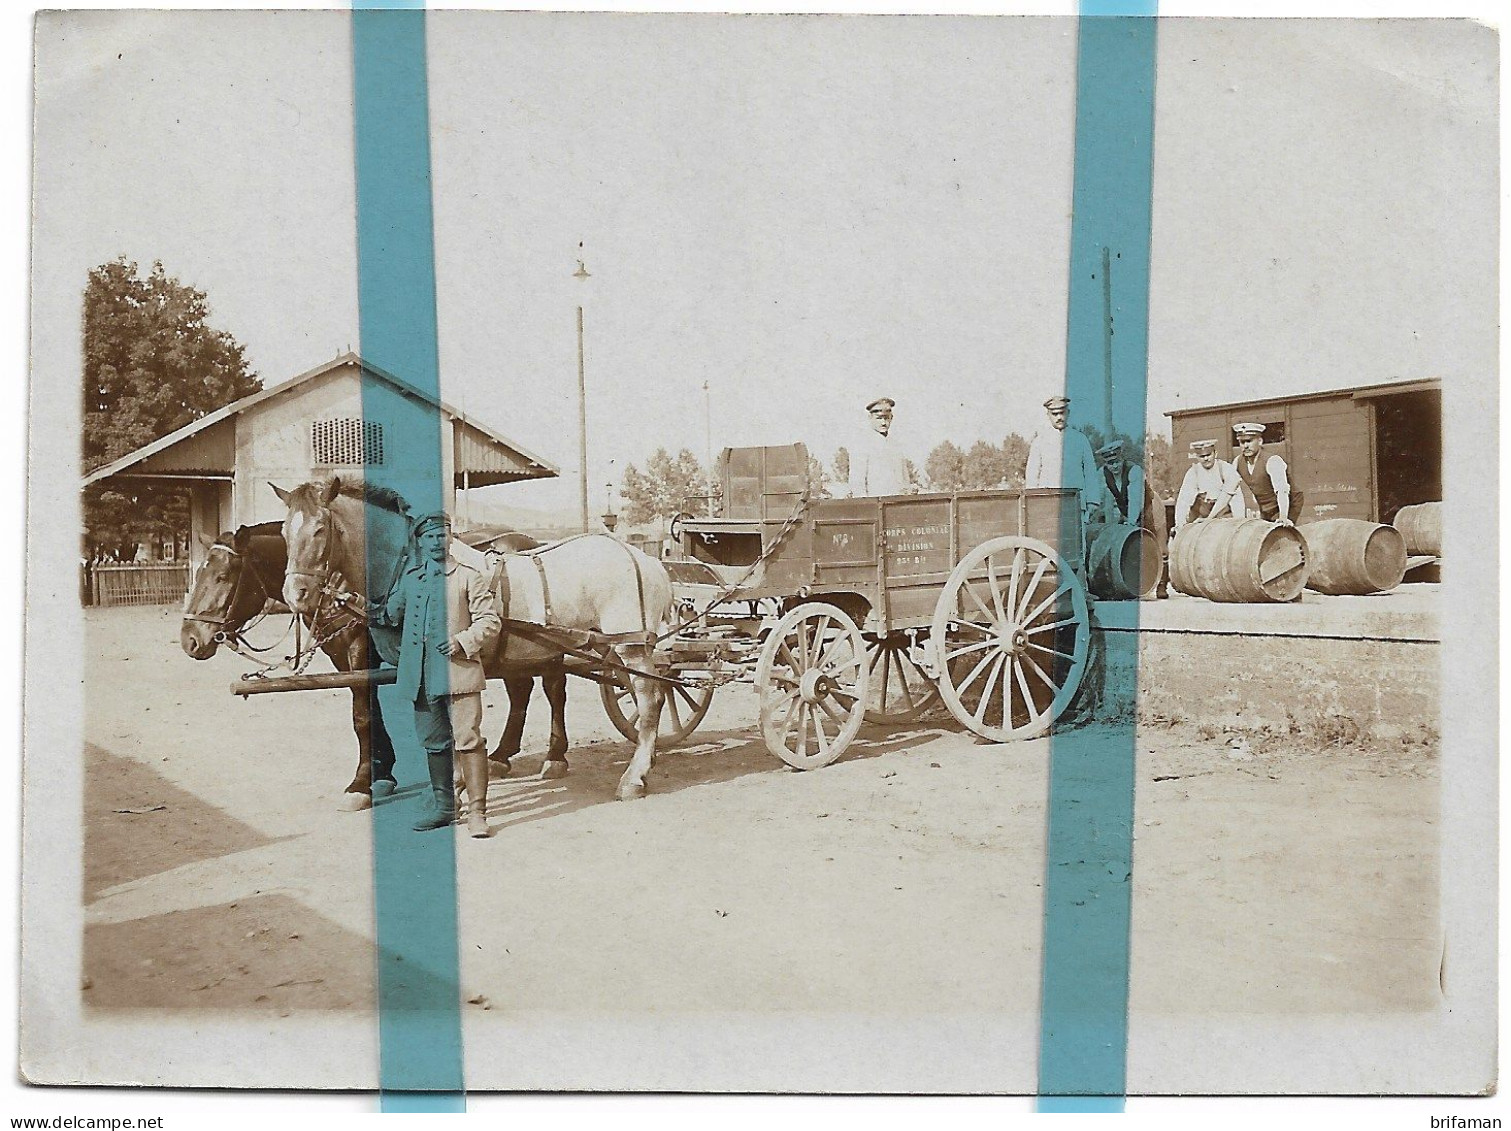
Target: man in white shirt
[[877, 465], [1211, 487], [1059, 456]]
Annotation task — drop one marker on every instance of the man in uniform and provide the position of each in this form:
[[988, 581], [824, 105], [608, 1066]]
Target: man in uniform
[[1061, 457], [877, 466], [449, 623], [1266, 477], [1210, 488]]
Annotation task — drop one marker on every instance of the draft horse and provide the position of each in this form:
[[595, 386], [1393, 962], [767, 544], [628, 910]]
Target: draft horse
[[241, 574], [246, 569], [611, 596]]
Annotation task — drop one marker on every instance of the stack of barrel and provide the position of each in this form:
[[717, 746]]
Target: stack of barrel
[[1251, 560]]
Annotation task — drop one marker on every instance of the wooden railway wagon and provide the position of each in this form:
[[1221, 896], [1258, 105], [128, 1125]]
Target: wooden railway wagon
[[871, 609]]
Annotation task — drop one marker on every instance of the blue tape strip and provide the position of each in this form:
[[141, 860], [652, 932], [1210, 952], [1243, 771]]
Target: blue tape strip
[[1084, 1012], [414, 874]]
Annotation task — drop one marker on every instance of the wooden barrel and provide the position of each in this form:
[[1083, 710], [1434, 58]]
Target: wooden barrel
[[1353, 555], [1422, 527], [1239, 560], [1124, 562]]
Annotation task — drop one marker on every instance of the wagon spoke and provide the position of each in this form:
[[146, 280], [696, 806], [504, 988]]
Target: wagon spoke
[[980, 604], [786, 652], [902, 684], [852, 665], [986, 694], [1053, 686], [1017, 575], [886, 672], [818, 730], [786, 727], [1028, 699], [671, 705], [1044, 604], [1051, 627], [802, 728], [828, 709], [819, 630], [970, 679], [950, 657], [1051, 651], [1007, 694], [1030, 590], [991, 580]]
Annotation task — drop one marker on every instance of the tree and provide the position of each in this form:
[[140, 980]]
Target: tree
[[842, 465], [1159, 466], [945, 467], [152, 363], [984, 465], [664, 487], [1015, 459], [818, 480]]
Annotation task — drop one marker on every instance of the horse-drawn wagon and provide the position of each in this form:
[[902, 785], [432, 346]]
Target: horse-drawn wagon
[[872, 609], [840, 611]]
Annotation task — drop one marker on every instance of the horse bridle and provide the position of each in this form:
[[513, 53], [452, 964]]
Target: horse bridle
[[225, 635]]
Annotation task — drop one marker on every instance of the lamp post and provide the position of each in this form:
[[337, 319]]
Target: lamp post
[[610, 519], [582, 410]]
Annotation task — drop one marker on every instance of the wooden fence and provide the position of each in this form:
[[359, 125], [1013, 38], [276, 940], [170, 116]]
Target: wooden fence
[[134, 583]]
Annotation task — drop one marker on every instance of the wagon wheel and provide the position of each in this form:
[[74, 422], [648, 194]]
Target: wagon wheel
[[812, 679], [685, 706], [1013, 623], [900, 689]]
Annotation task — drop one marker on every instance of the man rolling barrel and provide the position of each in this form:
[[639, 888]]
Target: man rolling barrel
[[1266, 477], [1131, 500], [449, 622], [1211, 486]]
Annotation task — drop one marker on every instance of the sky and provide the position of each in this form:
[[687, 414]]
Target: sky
[[802, 213]]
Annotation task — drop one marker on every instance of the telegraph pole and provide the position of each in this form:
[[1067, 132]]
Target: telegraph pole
[[582, 412], [708, 446]]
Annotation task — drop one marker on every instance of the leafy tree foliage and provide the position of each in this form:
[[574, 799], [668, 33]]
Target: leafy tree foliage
[[664, 487], [1160, 468], [152, 363], [842, 465], [818, 480], [945, 467], [983, 466]]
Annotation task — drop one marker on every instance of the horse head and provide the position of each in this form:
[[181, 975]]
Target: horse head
[[315, 544], [229, 589]]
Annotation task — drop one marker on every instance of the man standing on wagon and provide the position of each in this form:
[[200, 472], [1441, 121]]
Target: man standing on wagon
[[877, 466], [1059, 456], [1266, 476], [449, 623]]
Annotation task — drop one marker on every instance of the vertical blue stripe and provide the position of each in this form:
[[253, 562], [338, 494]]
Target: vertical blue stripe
[[414, 874], [1084, 1012]]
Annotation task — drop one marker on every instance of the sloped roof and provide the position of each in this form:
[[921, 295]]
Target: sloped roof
[[535, 466]]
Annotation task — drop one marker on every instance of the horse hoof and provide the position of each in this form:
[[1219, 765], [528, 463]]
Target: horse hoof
[[499, 768], [354, 802], [549, 771], [477, 826], [631, 792], [382, 788]]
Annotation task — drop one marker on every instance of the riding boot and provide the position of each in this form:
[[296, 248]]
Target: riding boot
[[444, 811], [475, 776]]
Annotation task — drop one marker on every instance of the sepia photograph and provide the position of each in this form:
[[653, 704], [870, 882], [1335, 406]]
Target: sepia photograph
[[752, 553]]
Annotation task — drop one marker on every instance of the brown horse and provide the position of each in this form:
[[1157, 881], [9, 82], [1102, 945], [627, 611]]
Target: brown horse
[[245, 570], [241, 574], [344, 536]]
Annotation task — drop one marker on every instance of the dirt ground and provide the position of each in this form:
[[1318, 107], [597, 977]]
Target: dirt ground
[[1267, 878]]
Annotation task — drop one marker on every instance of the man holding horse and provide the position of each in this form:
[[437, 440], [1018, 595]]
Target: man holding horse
[[450, 623]]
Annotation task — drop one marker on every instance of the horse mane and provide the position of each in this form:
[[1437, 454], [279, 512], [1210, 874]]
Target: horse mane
[[305, 496]]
